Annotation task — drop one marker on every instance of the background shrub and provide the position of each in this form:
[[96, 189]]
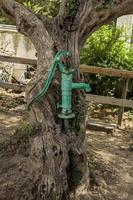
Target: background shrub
[[108, 47]]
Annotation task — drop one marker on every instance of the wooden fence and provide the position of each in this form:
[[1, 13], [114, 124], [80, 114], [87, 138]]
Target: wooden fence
[[123, 102], [126, 75]]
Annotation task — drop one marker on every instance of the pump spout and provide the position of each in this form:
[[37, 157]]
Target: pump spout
[[82, 86]]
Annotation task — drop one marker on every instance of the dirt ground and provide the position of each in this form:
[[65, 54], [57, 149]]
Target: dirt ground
[[110, 155], [111, 164]]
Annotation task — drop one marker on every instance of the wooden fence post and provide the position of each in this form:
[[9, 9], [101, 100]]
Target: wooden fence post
[[123, 96]]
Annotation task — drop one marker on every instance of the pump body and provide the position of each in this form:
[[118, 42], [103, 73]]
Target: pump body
[[67, 86]]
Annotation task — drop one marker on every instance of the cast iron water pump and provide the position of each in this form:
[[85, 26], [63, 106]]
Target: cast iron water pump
[[67, 85]]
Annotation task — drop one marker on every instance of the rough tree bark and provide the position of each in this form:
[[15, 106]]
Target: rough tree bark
[[57, 166]]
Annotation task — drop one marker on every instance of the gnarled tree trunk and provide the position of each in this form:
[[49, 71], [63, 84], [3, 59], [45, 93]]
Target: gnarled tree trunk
[[57, 164]]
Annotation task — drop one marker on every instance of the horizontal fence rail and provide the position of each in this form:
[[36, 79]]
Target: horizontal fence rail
[[106, 71], [16, 87], [83, 68], [109, 100], [18, 60]]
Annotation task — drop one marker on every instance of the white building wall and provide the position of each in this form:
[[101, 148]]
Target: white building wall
[[15, 44], [126, 22]]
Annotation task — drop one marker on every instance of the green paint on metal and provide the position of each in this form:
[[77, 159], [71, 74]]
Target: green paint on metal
[[67, 85], [83, 86], [50, 76]]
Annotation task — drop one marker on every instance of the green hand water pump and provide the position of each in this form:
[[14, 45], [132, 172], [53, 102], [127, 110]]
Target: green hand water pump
[[67, 85]]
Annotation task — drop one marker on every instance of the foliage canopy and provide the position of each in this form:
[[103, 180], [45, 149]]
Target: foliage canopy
[[108, 47], [48, 7]]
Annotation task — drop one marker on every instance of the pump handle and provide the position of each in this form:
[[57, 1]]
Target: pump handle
[[56, 61]]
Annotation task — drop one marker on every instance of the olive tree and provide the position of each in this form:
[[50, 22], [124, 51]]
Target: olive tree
[[57, 165]]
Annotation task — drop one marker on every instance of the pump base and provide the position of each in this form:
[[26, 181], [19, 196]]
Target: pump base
[[66, 116]]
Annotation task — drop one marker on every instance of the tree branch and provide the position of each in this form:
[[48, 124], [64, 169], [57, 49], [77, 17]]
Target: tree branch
[[6, 6], [27, 22], [102, 13], [72, 8], [30, 25], [62, 10]]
